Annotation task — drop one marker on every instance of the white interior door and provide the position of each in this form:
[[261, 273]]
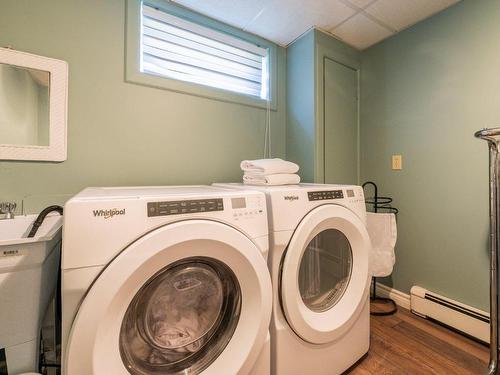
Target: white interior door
[[191, 297], [325, 279]]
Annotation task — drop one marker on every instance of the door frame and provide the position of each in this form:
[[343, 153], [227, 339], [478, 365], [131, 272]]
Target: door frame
[[325, 49]]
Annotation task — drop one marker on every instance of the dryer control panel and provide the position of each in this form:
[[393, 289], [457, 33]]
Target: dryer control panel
[[184, 207]]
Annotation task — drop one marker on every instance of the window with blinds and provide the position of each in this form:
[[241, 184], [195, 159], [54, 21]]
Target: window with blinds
[[175, 48]]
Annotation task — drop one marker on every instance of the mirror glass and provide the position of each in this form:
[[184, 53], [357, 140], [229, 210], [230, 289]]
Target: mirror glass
[[24, 106]]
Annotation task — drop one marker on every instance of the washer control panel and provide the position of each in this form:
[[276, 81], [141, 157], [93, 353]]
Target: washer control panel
[[247, 208], [184, 207], [323, 195]]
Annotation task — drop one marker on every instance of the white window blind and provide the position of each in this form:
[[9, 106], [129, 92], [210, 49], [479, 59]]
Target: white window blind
[[176, 48]]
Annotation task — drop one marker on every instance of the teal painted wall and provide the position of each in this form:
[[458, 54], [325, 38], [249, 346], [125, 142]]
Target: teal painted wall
[[424, 93], [121, 133]]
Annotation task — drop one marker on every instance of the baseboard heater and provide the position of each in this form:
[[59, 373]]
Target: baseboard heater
[[466, 319]]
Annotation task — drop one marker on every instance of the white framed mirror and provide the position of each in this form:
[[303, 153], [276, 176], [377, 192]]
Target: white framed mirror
[[33, 107]]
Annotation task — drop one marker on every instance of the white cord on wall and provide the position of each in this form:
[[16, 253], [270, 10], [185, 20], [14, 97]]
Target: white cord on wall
[[267, 134]]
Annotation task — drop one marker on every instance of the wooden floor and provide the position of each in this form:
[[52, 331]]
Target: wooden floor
[[407, 344]]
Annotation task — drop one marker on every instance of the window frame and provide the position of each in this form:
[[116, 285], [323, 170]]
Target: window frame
[[133, 72]]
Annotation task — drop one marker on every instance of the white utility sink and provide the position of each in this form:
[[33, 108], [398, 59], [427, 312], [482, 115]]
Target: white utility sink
[[15, 231], [28, 279]]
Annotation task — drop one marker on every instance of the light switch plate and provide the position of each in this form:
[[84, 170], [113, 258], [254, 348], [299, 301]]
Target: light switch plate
[[397, 162]]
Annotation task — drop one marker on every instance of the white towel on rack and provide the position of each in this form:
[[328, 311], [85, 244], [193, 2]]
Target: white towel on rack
[[271, 179], [265, 167], [383, 234]]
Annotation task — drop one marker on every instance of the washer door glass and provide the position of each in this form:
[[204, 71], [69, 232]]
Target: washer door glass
[[181, 319], [325, 270]]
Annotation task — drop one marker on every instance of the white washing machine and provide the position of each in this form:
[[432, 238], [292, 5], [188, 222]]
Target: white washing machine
[[318, 259], [166, 280]]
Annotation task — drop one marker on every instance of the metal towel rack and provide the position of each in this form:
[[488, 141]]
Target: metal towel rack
[[494, 165], [380, 204]]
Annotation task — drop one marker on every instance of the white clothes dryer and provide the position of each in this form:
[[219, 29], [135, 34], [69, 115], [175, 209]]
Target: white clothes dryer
[[165, 280], [318, 258]]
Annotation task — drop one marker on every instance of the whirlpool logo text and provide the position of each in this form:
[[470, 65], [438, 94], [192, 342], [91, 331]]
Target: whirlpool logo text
[[107, 214]]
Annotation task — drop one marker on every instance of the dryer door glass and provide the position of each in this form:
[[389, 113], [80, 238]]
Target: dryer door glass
[[325, 270], [181, 319]]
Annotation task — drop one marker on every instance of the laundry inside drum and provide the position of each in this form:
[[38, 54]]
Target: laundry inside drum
[[184, 308], [172, 319]]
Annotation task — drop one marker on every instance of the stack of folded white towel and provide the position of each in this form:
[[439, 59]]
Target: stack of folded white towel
[[270, 172]]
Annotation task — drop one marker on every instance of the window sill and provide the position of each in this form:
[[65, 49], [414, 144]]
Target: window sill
[[159, 82]]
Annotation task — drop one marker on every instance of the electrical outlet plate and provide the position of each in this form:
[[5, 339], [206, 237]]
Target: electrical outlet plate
[[397, 162]]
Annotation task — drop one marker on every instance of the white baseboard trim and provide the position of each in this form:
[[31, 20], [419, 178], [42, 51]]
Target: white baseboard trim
[[462, 317], [401, 299]]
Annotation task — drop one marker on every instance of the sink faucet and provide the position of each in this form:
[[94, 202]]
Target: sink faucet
[[7, 210]]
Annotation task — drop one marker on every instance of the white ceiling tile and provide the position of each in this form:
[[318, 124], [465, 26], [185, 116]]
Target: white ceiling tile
[[327, 14], [279, 21], [400, 14], [360, 3], [285, 20], [282, 21], [361, 32], [233, 12]]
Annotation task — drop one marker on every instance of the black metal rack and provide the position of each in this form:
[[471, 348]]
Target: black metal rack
[[380, 204]]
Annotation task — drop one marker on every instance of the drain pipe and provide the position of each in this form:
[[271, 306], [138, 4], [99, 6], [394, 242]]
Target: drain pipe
[[41, 217], [493, 145]]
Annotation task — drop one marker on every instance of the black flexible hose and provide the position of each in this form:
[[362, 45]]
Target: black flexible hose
[[41, 217]]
